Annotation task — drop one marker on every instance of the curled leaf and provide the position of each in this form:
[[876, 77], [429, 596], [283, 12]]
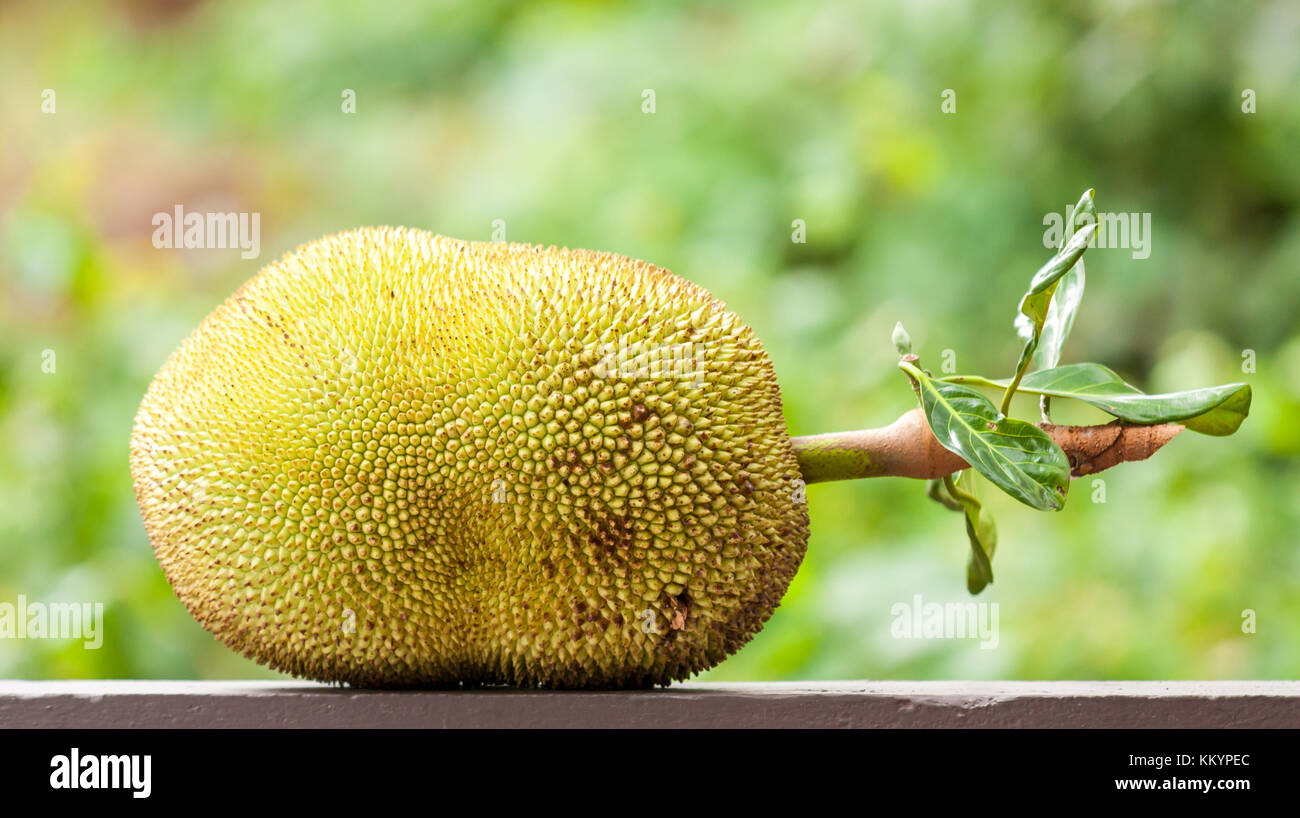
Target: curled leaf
[[980, 530], [1069, 292], [1060, 317], [1034, 303]]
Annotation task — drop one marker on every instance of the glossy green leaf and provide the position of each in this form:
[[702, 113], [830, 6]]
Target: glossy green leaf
[[1015, 456], [1085, 211], [1060, 317], [1065, 301], [1215, 410], [1069, 293], [1035, 302], [1225, 418]]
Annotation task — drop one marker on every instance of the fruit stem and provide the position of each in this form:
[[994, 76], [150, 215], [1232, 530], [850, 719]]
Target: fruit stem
[[906, 448]]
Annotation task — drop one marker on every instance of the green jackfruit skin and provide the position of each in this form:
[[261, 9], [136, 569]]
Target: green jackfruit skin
[[395, 459]]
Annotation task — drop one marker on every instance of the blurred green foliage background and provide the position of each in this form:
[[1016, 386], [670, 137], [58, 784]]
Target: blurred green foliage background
[[765, 113]]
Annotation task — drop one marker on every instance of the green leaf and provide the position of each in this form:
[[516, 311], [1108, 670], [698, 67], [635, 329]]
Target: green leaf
[[1035, 302], [1085, 211], [980, 530], [1215, 410], [1060, 320], [1068, 294], [1225, 418], [1060, 317], [1015, 456]]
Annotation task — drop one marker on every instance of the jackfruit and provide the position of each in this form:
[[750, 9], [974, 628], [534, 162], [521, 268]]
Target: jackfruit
[[397, 459]]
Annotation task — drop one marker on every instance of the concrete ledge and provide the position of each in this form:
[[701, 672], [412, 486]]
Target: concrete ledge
[[131, 704]]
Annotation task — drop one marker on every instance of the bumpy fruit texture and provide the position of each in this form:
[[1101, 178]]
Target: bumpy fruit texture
[[397, 459]]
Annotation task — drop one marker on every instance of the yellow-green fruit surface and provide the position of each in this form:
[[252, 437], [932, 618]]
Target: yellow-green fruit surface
[[398, 459]]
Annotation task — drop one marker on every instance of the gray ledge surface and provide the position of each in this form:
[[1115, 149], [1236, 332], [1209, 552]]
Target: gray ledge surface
[[151, 704]]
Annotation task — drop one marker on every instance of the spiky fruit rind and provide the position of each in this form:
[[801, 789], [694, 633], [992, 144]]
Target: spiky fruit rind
[[398, 459]]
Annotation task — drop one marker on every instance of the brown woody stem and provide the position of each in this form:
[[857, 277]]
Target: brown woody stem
[[906, 448]]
